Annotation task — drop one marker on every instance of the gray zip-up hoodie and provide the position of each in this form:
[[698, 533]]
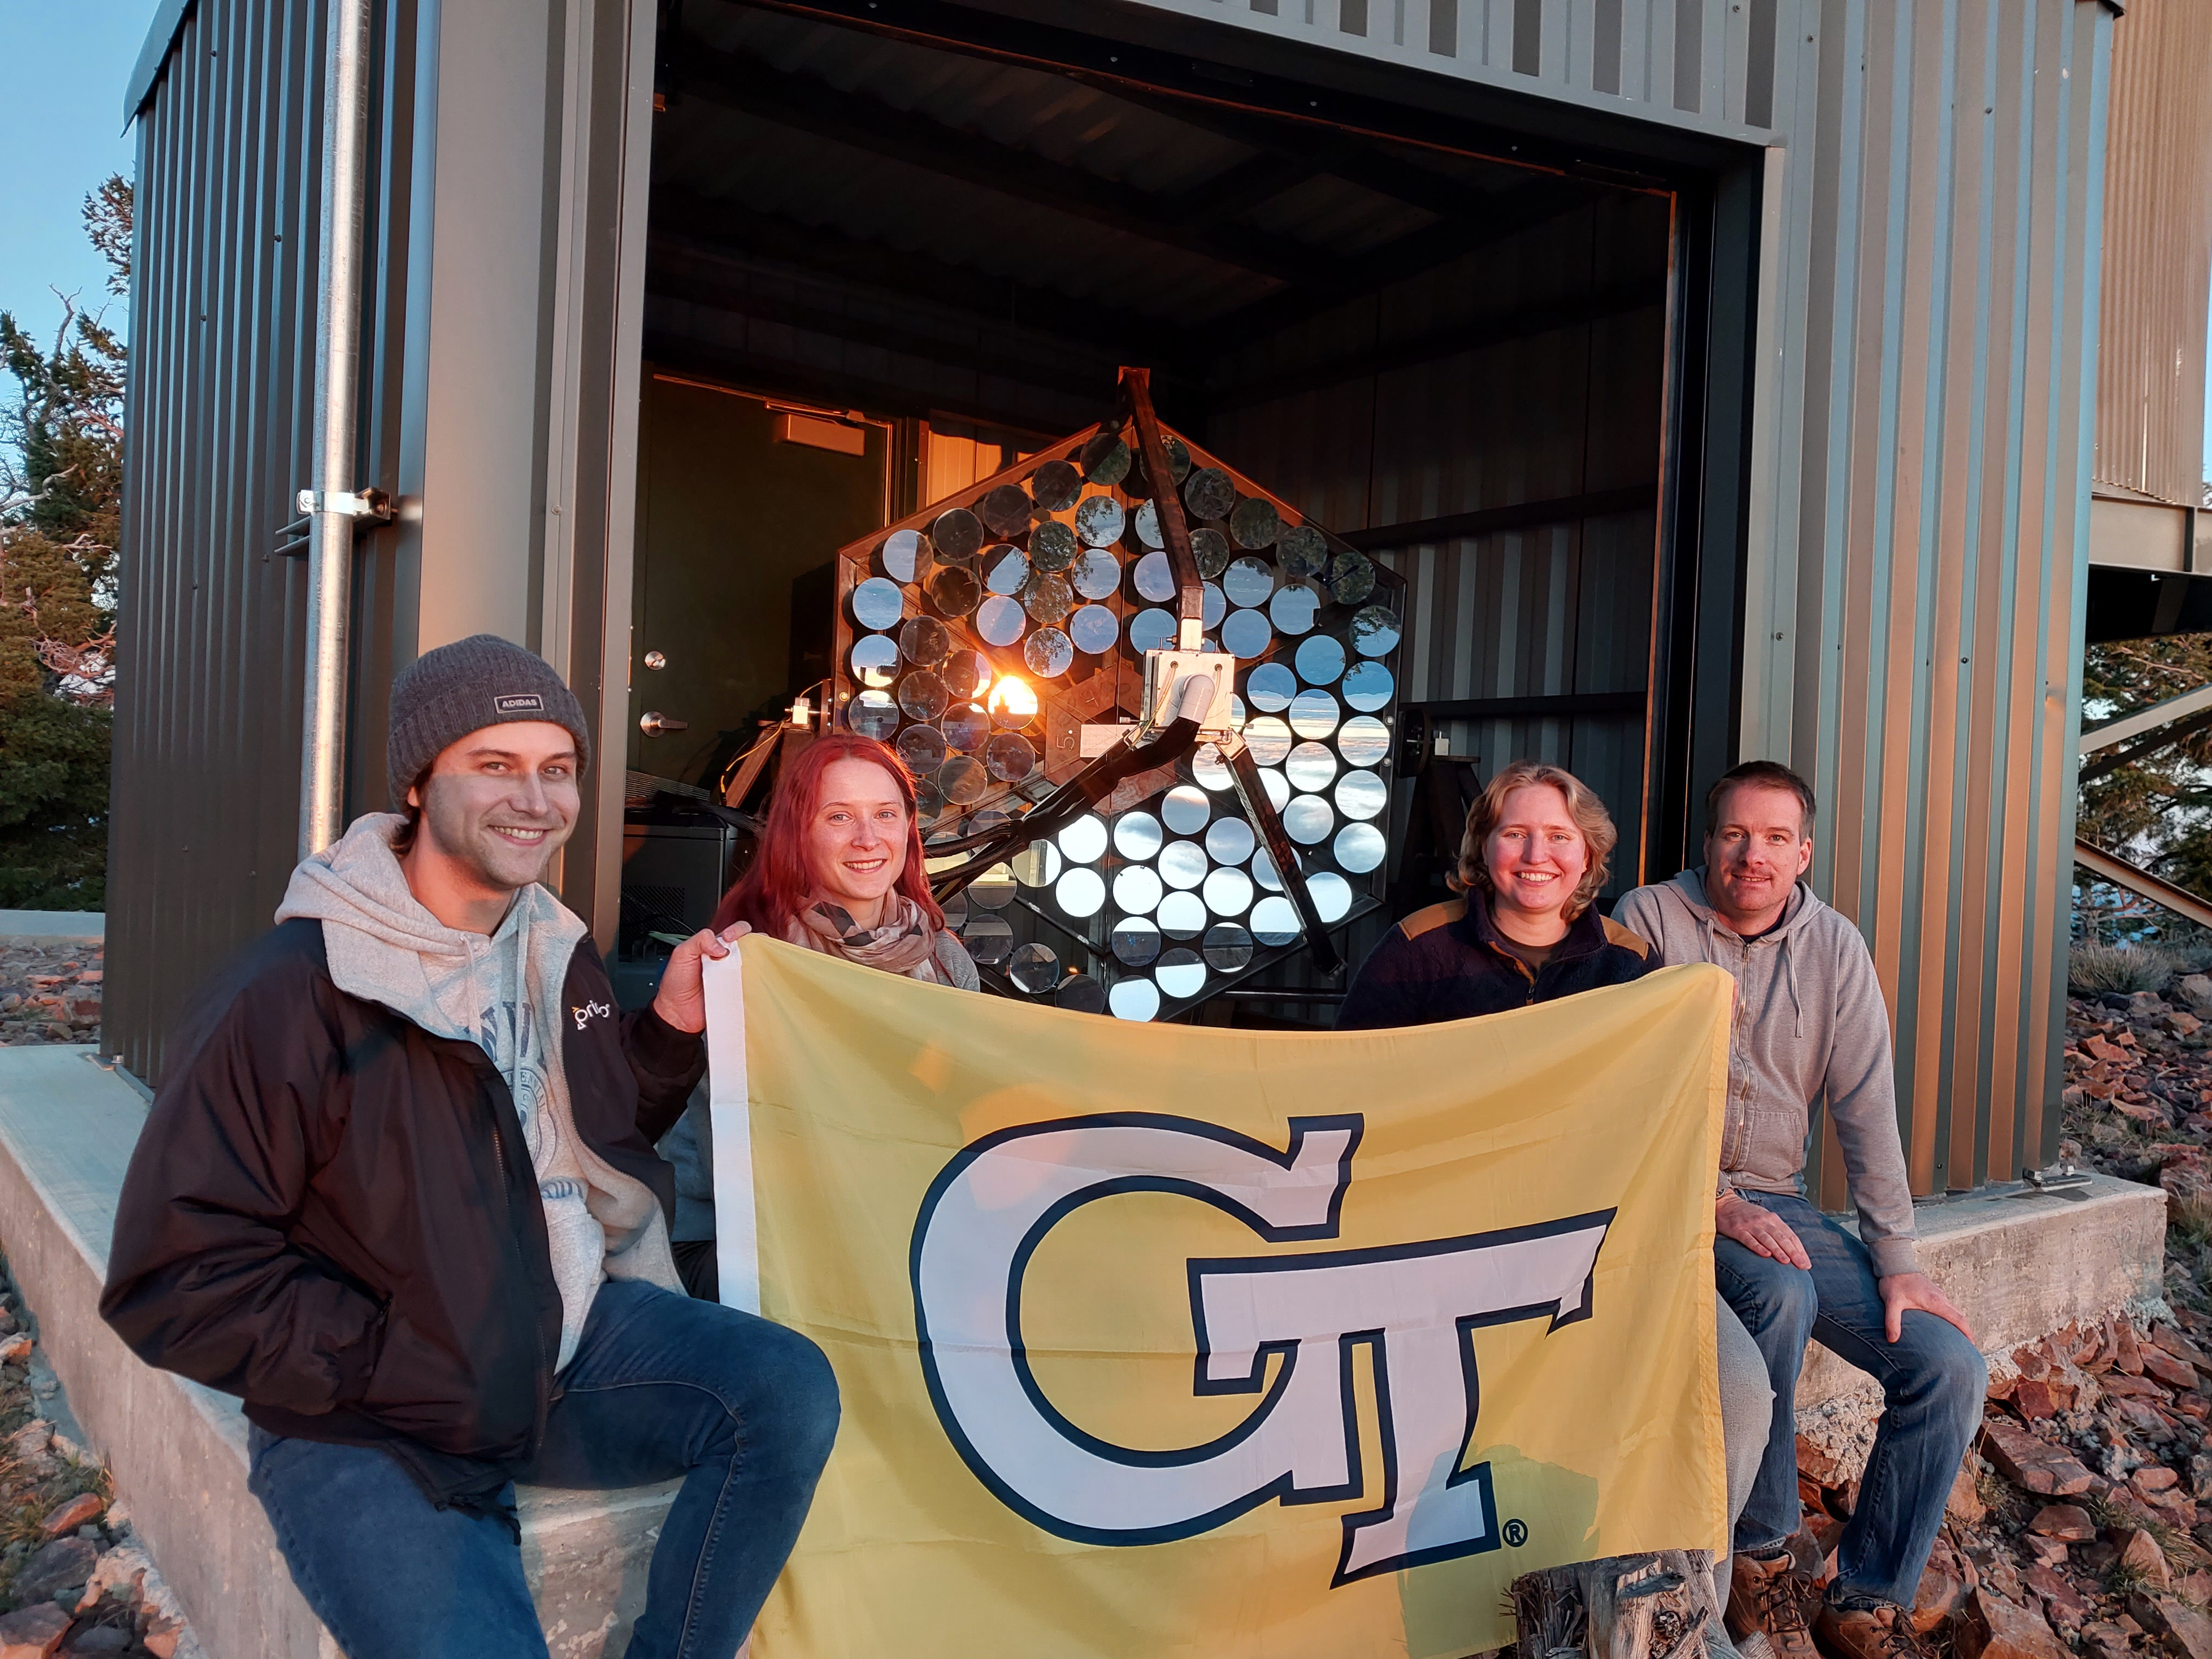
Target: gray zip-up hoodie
[[1810, 1023], [503, 994]]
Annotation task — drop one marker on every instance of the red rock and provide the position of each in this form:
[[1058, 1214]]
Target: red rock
[[1998, 1629], [32, 1632], [2141, 1555], [2136, 1387], [2061, 1599], [1818, 1464], [1939, 1598], [2030, 1464], [1965, 1503], [2167, 1368], [2105, 1641], [2068, 1522], [2130, 1356], [2153, 1477], [2031, 1400], [2188, 1632], [2170, 1339], [85, 1507]]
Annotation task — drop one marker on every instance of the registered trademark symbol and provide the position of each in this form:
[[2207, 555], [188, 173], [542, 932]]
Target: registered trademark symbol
[[1516, 1534]]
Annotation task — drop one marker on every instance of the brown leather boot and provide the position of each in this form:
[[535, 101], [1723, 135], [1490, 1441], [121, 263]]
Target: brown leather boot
[[1867, 1633], [1769, 1598]]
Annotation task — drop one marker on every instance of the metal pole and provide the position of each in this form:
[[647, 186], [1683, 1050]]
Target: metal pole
[[332, 503]]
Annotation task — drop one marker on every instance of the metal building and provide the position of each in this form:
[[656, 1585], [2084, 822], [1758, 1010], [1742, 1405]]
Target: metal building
[[1719, 374]]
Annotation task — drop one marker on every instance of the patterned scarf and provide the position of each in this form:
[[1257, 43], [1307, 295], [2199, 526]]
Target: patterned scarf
[[902, 943]]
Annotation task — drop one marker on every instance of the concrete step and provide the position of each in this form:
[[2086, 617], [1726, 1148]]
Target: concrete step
[[53, 927], [178, 1450]]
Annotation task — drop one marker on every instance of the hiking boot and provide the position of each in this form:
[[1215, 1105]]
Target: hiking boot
[[1768, 1598], [1883, 1632]]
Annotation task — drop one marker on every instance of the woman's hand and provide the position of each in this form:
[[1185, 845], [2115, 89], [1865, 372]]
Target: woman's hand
[[682, 999]]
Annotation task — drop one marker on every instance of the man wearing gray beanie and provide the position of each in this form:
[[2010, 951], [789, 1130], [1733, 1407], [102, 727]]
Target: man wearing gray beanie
[[400, 1193]]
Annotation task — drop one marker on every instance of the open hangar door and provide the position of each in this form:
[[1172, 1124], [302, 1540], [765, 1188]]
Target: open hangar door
[[893, 249]]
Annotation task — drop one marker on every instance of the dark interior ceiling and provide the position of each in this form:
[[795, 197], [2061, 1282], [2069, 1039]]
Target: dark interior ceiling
[[901, 224]]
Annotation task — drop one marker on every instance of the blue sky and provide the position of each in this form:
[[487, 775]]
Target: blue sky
[[61, 132]]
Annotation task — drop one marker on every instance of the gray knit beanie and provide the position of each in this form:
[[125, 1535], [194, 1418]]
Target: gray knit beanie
[[483, 680]]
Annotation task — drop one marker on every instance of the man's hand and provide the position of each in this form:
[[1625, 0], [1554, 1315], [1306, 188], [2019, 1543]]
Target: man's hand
[[1757, 1228], [1903, 1291], [682, 999]]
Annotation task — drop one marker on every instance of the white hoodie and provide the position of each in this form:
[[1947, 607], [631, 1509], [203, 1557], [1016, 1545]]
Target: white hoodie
[[503, 993]]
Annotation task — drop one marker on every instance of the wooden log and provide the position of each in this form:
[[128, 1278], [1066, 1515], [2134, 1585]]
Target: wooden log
[[1625, 1607]]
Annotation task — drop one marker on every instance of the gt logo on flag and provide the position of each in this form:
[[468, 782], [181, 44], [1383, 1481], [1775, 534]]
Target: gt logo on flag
[[1414, 1305]]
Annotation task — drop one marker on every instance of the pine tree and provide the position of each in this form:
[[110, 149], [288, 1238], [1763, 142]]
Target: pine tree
[[61, 476]]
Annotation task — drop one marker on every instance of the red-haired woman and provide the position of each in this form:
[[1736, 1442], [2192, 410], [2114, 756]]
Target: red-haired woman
[[839, 869]]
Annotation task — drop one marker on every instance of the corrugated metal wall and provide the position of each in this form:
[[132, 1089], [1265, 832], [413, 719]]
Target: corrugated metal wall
[[1547, 611], [2158, 254], [222, 426], [1920, 511], [1706, 65], [220, 401]]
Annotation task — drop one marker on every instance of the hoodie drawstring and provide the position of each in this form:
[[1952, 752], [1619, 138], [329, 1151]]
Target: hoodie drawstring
[[1790, 978]]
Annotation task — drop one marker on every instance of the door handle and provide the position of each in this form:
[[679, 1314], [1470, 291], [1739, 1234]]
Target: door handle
[[653, 723]]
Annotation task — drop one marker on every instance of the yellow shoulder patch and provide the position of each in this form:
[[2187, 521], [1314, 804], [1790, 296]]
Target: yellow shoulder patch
[[1436, 916], [1627, 937]]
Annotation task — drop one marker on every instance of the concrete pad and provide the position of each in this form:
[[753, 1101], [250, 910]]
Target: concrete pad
[[51, 926], [2020, 1264], [178, 1450]]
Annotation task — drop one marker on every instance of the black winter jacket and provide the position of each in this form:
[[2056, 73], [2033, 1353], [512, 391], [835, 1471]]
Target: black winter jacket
[[332, 1212], [1447, 963]]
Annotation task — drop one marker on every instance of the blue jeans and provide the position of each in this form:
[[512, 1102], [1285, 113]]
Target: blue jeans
[[661, 1386], [1933, 1380]]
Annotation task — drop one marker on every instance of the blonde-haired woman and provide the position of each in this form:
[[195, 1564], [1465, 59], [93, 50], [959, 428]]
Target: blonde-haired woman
[[1530, 869], [1531, 865]]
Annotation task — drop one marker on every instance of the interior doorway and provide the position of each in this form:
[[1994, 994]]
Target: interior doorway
[[1455, 359]]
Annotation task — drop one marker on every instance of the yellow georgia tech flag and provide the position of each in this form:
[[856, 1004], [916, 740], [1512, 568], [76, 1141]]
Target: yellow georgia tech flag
[[1159, 1339]]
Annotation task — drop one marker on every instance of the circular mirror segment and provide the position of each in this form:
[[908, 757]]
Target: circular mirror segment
[[1080, 892], [1359, 847], [1079, 994], [922, 695], [1136, 941], [988, 940], [1181, 974], [904, 552], [1186, 809], [1006, 569], [1036, 864], [1048, 653], [1271, 686], [957, 535], [1228, 892], [1313, 714], [922, 749], [1135, 998], [875, 661], [1365, 740], [1009, 757], [965, 727], [1255, 523], [1263, 872], [1104, 460], [1269, 739], [964, 674], [1209, 493], [1228, 947], [1182, 864], [1321, 659], [1332, 895], [992, 891], [1308, 821], [924, 641], [1310, 766], [1056, 485], [1374, 632], [877, 604], [1099, 520], [1095, 629], [1137, 891], [1247, 633], [872, 714], [1084, 842], [1362, 795], [1097, 574], [1152, 630], [1005, 511], [1052, 546], [1155, 578], [1275, 922], [1034, 968], [1368, 686], [1228, 840], [1209, 768], [1137, 836], [1294, 608], [1182, 916], [1146, 520], [1211, 548], [1248, 582], [1301, 552]]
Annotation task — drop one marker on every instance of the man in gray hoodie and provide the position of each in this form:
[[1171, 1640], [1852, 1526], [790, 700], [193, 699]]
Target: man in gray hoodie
[[1810, 1025]]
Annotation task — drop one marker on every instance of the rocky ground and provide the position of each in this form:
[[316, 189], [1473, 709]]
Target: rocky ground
[[75, 1580], [2076, 1527], [49, 993]]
